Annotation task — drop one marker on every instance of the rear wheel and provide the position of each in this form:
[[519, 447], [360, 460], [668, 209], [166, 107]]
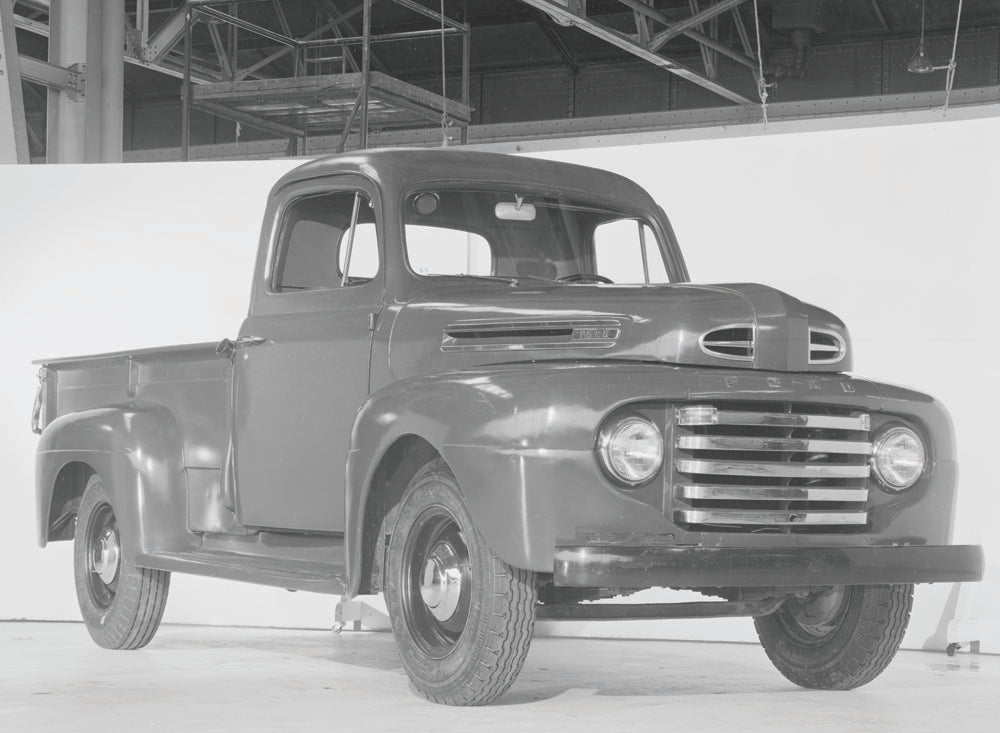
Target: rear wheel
[[838, 639], [121, 604], [461, 616]]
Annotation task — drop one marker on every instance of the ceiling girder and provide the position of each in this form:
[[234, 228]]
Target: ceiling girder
[[692, 23], [709, 58], [557, 41], [165, 38], [880, 15], [744, 35], [564, 15], [701, 38]]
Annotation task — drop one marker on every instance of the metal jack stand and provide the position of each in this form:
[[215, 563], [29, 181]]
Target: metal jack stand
[[963, 630], [358, 613]]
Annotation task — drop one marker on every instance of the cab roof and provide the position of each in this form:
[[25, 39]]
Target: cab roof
[[398, 169]]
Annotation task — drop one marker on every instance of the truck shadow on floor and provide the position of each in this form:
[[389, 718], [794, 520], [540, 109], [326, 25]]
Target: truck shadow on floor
[[554, 667]]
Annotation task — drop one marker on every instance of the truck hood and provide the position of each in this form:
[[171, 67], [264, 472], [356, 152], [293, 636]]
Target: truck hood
[[462, 322]]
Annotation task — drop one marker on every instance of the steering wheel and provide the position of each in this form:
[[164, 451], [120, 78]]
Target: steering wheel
[[586, 277]]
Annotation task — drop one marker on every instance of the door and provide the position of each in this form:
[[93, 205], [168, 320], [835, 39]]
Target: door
[[301, 364]]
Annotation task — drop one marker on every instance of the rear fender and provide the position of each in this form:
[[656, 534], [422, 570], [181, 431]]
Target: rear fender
[[137, 452]]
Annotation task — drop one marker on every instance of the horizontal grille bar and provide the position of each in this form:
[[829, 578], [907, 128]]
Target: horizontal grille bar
[[772, 468], [723, 492], [795, 445], [792, 420], [766, 518]]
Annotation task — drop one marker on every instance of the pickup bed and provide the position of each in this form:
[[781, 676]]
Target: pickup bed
[[486, 387]]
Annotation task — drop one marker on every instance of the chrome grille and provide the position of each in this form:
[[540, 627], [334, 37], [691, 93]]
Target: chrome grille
[[777, 468], [735, 341]]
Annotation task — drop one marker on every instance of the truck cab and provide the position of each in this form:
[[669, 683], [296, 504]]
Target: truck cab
[[485, 386]]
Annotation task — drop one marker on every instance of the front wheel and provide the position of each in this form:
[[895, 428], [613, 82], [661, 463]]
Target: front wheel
[[462, 618], [838, 639]]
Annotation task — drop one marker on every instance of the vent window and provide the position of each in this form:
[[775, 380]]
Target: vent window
[[730, 342]]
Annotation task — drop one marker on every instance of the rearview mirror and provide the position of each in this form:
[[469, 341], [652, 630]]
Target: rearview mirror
[[514, 211]]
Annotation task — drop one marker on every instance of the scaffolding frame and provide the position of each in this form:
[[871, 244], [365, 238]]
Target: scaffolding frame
[[361, 82]]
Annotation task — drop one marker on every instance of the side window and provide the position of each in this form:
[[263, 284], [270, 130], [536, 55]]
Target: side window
[[364, 251], [312, 243], [618, 251], [442, 251]]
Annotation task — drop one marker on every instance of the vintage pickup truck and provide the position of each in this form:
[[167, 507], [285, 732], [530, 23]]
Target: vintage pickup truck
[[485, 386]]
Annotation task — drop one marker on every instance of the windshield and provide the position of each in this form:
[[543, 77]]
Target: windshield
[[523, 235]]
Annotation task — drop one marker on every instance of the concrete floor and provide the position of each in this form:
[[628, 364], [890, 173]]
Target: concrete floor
[[219, 679]]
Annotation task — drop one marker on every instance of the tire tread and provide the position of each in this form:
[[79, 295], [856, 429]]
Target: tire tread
[[509, 629], [136, 612], [885, 614]]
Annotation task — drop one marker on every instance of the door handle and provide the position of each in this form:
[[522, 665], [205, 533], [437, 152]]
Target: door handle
[[226, 347]]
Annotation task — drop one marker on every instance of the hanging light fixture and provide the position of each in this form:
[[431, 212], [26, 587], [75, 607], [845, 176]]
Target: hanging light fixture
[[920, 62]]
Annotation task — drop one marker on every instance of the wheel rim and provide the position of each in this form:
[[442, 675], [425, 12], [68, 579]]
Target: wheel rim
[[813, 619], [103, 556], [437, 582]]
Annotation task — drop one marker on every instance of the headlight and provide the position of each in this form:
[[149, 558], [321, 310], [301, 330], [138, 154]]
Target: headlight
[[898, 458], [631, 449]]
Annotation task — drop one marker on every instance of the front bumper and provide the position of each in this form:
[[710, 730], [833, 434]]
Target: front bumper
[[645, 566]]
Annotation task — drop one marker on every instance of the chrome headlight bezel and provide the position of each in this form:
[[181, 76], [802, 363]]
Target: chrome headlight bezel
[[612, 431], [882, 473]]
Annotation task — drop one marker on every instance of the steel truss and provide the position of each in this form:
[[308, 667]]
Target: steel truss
[[647, 41], [311, 101]]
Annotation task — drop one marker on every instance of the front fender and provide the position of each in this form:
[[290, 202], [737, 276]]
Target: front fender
[[503, 430], [520, 439], [138, 453]]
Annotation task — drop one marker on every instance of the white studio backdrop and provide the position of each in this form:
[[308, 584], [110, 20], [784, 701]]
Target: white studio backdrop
[[892, 228]]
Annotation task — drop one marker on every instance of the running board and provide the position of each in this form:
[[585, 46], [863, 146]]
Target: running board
[[292, 575]]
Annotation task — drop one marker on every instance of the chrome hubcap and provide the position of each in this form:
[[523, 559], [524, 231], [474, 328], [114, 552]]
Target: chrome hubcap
[[441, 581], [106, 555], [437, 583], [103, 556]]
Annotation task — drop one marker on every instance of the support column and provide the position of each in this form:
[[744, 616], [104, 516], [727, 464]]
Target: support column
[[112, 96], [65, 134], [90, 33]]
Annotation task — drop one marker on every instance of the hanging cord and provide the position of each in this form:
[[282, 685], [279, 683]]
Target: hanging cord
[[923, 20], [762, 85], [444, 87], [950, 76]]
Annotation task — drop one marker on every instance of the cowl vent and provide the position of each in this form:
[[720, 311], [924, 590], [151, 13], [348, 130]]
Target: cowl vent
[[520, 335], [735, 341], [826, 347]]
